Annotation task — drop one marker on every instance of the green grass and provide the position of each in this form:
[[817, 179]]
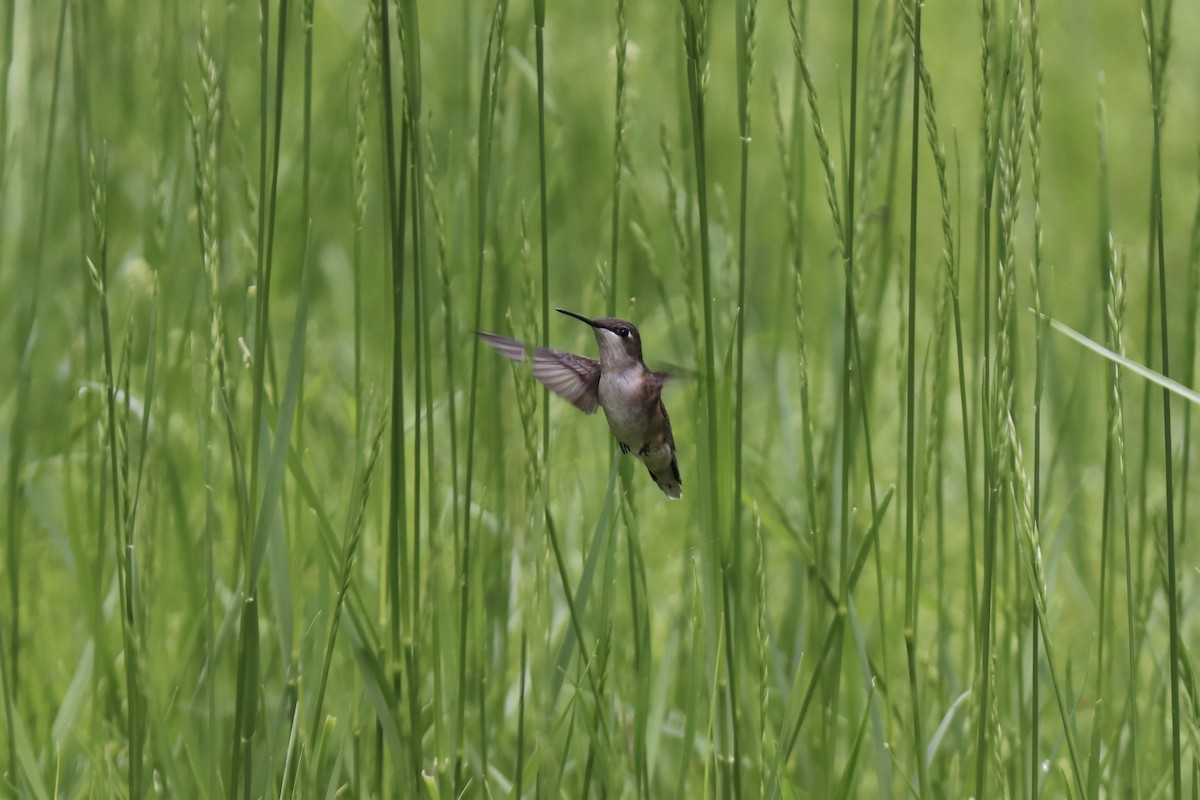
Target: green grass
[[276, 525]]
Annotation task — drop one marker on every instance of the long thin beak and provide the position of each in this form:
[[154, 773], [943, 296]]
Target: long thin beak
[[576, 316]]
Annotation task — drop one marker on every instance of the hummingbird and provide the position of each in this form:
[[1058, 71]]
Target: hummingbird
[[620, 383]]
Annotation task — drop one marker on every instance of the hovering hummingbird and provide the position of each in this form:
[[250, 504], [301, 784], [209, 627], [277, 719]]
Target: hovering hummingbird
[[620, 383]]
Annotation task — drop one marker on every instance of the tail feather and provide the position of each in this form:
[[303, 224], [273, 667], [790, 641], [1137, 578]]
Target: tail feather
[[670, 483]]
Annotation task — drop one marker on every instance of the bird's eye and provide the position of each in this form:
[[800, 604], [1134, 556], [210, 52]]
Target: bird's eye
[[623, 332]]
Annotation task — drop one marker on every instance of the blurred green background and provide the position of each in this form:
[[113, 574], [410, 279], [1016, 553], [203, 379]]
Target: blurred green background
[[522, 612]]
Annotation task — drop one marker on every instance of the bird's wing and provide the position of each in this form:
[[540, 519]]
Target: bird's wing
[[574, 378]]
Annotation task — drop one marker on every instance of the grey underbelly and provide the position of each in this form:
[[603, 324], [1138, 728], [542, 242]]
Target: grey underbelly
[[630, 429]]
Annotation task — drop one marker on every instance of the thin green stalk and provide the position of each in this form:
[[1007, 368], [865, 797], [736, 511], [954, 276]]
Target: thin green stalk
[[410, 39], [964, 411], [355, 517], [912, 577], [246, 708], [399, 567], [763, 637], [888, 47], [358, 177], [519, 780], [96, 497], [448, 340], [794, 719], [1191, 323], [830, 182], [639, 596], [712, 770], [1010, 467], [680, 228], [589, 670], [266, 518], [1116, 322], [397, 191], [118, 481], [640, 603], [848, 311], [1150, 376], [984, 623], [695, 49], [10, 653], [726, 551], [1158, 33], [618, 149], [539, 21], [1003, 378], [849, 322], [949, 307], [888, 53], [1039, 293], [844, 233], [23, 379], [421, 391], [730, 628], [1113, 297], [527, 408], [601, 535], [693, 673], [7, 15], [488, 98], [306, 21], [290, 701], [852, 357], [137, 610], [205, 145], [1144, 487], [791, 159], [266, 222], [1029, 542], [598, 739], [695, 23], [745, 13], [433, 487]]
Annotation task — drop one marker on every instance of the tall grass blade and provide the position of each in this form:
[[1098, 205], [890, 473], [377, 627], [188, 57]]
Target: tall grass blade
[[10, 666], [911, 573], [1158, 39], [1164, 382]]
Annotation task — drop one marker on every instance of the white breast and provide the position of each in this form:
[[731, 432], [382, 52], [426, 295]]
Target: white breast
[[621, 402]]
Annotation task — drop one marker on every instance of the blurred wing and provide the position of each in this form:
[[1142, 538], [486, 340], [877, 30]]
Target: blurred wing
[[574, 378], [674, 372], [509, 348], [569, 376]]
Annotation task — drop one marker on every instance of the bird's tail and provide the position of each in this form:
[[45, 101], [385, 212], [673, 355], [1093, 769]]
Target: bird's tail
[[668, 479]]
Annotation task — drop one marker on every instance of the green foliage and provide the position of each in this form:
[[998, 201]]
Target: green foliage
[[276, 525]]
